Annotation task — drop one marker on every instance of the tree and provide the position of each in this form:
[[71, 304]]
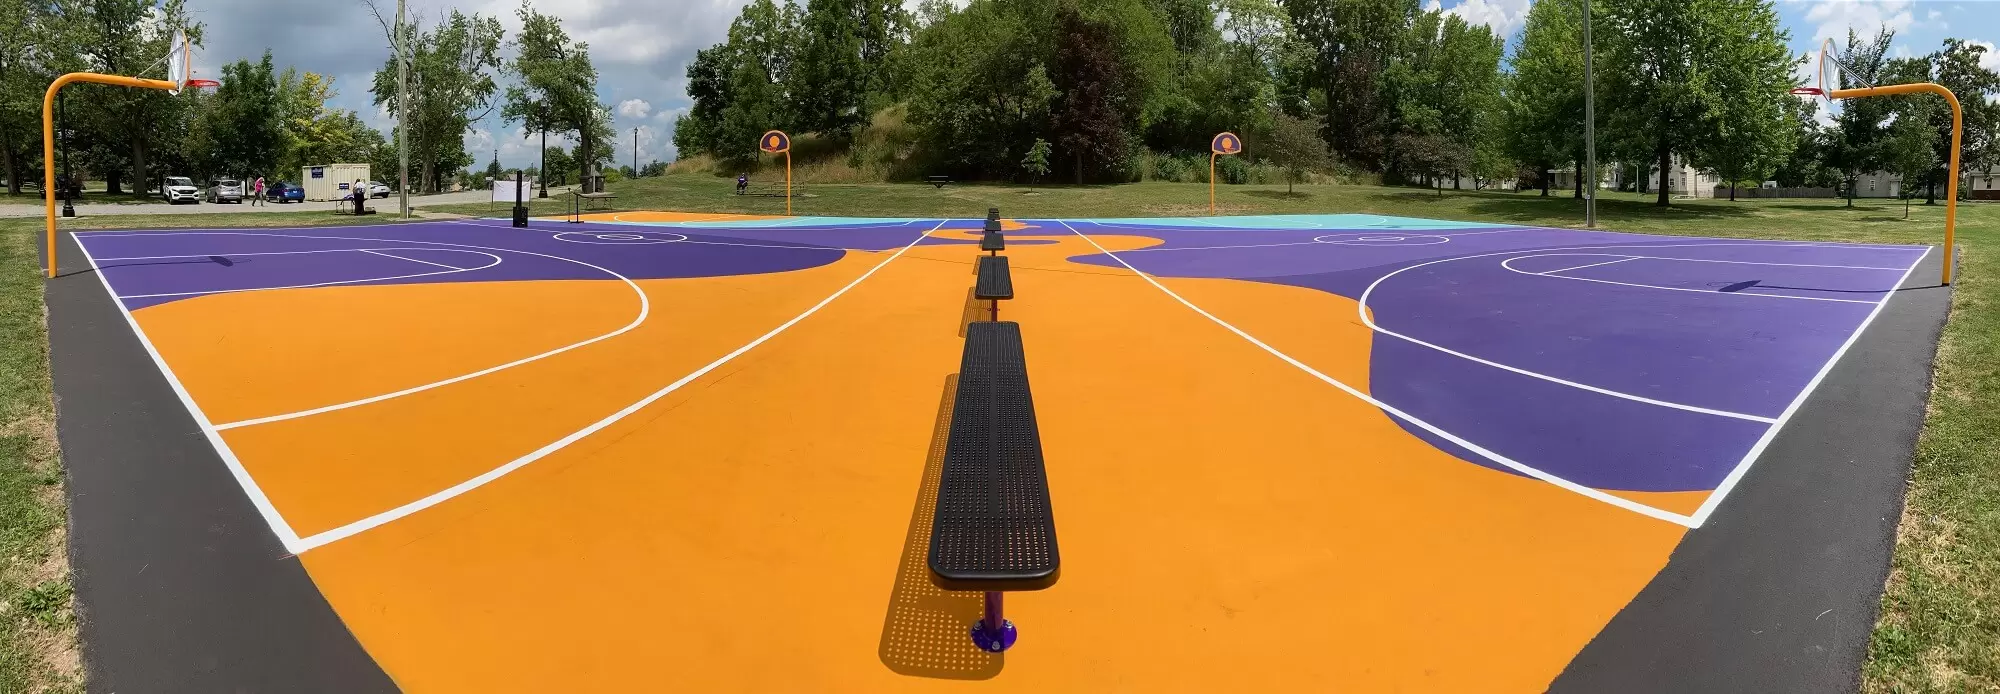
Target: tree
[[245, 122], [1959, 67], [1858, 130], [1748, 133], [1805, 165], [25, 36], [1444, 85], [1909, 151], [1666, 68], [1545, 111], [557, 166], [829, 84], [1036, 163], [1353, 43], [1090, 118], [126, 37], [451, 86], [557, 83], [1294, 145]]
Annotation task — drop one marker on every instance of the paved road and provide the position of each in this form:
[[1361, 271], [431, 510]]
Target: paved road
[[108, 209]]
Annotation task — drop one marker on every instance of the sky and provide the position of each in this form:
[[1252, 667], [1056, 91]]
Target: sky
[[642, 48]]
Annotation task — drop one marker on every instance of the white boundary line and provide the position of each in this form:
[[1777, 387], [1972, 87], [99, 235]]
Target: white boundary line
[[365, 524], [1567, 269], [1708, 507], [286, 536], [1590, 492]]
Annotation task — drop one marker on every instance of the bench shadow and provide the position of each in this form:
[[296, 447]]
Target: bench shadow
[[975, 311], [927, 632]]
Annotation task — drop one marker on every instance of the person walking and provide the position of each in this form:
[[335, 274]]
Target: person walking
[[257, 192]]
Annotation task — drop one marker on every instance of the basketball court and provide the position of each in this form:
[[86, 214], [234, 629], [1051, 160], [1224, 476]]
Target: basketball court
[[1283, 452]]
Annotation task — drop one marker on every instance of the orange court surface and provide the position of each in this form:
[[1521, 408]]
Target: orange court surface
[[700, 452]]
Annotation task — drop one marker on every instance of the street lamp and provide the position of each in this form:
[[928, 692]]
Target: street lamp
[[1589, 127]]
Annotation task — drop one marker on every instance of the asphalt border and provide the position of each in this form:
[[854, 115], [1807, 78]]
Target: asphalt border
[[1779, 590], [181, 585]]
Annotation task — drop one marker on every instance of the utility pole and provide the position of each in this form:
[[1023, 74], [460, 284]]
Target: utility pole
[[635, 152], [542, 167], [402, 113], [1589, 128]]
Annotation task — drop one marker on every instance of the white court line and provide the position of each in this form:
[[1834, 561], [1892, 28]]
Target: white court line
[[365, 524], [1567, 269], [452, 271], [1592, 493], [1746, 292], [1368, 320], [1212, 248], [286, 536], [1714, 500], [413, 260], [773, 245], [645, 308]]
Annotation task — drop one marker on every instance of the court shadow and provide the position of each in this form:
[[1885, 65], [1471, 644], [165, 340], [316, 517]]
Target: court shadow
[[927, 632], [1279, 194], [975, 310]]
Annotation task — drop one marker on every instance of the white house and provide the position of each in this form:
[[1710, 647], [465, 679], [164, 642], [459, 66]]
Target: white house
[[1878, 184], [1981, 184], [1682, 180]]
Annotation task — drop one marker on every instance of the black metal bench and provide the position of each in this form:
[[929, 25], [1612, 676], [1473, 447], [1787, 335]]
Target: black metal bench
[[581, 203], [994, 530], [937, 181], [995, 284], [993, 241]]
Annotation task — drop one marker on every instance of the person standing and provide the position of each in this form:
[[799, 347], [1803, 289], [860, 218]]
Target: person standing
[[257, 192]]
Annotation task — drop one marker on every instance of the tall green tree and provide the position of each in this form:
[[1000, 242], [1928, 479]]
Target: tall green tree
[[1859, 128], [1545, 108], [1091, 117], [1444, 85], [1353, 43], [1294, 145], [1747, 133], [1960, 67], [451, 86], [830, 83], [556, 83], [245, 122], [126, 37], [1909, 151], [25, 41]]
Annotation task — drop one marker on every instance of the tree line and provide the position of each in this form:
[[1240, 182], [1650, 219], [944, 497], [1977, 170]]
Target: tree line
[[266, 121], [1085, 89]]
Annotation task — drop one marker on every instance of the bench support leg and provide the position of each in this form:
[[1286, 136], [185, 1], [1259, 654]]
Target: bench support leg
[[996, 316], [993, 640]]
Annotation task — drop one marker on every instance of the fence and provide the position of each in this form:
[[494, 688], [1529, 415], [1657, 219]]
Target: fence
[[1723, 192]]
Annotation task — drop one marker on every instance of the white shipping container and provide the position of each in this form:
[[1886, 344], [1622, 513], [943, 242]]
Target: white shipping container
[[331, 181]]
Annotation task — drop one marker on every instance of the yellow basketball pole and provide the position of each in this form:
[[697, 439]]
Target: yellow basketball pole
[[788, 182], [49, 137], [1211, 184], [1957, 133]]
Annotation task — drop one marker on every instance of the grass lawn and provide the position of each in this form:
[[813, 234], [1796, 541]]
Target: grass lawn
[[1938, 630]]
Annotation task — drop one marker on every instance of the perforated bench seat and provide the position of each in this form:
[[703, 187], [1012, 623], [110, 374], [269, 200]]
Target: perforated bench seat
[[994, 529], [995, 283], [992, 241]]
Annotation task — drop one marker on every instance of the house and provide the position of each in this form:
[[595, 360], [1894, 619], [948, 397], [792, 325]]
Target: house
[[1878, 184], [1683, 180], [1981, 185]]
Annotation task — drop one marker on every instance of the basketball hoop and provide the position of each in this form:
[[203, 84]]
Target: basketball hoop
[[1809, 91], [201, 84]]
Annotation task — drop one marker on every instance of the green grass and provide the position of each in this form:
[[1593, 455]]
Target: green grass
[[1939, 631]]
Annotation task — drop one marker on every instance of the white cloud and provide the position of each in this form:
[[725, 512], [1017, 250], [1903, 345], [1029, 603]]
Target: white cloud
[[1504, 16], [1991, 58], [1832, 20], [634, 108]]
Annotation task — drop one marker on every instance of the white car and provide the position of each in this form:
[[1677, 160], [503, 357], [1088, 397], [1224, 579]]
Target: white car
[[377, 190], [178, 189]]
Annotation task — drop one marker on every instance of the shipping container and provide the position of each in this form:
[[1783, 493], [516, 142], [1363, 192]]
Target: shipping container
[[331, 181]]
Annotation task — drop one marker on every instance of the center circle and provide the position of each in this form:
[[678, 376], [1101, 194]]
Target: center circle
[[620, 238], [1376, 240]]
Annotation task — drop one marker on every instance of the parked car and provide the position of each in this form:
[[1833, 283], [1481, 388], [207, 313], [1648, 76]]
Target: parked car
[[284, 192], [377, 190], [225, 190], [178, 189]]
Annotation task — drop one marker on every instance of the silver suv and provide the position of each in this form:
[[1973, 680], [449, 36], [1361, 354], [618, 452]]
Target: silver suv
[[178, 189], [225, 190]]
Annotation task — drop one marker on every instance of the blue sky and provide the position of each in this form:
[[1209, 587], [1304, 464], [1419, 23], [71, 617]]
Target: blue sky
[[642, 47]]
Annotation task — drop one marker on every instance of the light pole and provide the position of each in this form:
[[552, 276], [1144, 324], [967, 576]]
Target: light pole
[[402, 114], [1589, 128], [635, 152]]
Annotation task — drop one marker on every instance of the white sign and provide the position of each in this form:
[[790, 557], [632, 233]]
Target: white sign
[[503, 190]]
